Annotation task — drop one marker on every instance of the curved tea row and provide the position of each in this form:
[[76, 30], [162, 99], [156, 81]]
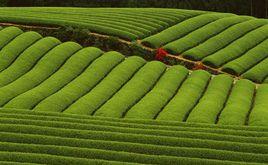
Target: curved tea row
[[234, 44], [56, 138], [126, 23]]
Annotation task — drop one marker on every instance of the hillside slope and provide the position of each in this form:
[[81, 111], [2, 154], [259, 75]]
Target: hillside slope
[[223, 41], [43, 74]]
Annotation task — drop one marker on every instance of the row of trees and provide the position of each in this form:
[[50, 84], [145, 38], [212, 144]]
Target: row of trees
[[257, 8]]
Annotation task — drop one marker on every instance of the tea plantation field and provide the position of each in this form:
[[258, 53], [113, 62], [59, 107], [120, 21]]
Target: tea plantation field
[[227, 42], [54, 138], [61, 103], [42, 74]]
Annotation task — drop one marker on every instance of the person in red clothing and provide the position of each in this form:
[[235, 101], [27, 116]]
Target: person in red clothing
[[160, 54]]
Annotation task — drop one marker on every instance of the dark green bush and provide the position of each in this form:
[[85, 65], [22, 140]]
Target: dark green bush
[[234, 6]]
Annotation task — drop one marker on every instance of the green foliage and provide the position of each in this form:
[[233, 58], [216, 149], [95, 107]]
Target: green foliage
[[213, 100], [223, 39], [237, 48], [265, 80], [82, 84], [237, 6], [159, 96], [13, 49], [41, 71], [62, 138], [257, 131], [67, 33], [138, 23], [94, 90], [142, 82], [73, 67], [138, 50], [203, 33], [215, 39], [181, 29], [8, 34], [238, 104], [259, 115], [55, 77], [248, 60], [186, 98], [120, 75], [257, 73], [27, 59]]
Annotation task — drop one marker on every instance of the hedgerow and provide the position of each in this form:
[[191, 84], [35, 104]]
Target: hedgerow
[[138, 153], [212, 102], [170, 115], [203, 33], [82, 84], [248, 60], [257, 131], [237, 108], [181, 29], [73, 67], [195, 35], [112, 22], [258, 115], [27, 59], [135, 129], [13, 49], [7, 34], [237, 48], [136, 138], [138, 86], [257, 73], [185, 99], [90, 102], [223, 39], [160, 95], [50, 63]]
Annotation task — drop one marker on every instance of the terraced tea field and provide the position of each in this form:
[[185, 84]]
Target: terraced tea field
[[61, 103], [54, 138], [64, 77], [128, 24], [235, 44], [227, 42]]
